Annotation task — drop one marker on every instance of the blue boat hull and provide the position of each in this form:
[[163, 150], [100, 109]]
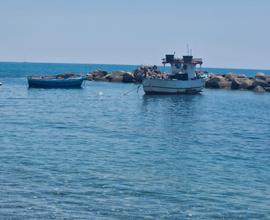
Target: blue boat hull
[[55, 82]]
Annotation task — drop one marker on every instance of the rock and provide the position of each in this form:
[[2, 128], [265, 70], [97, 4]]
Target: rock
[[97, 75], [89, 77], [120, 76], [224, 84], [128, 77], [66, 75], [260, 75], [235, 84], [212, 82], [115, 76], [231, 76], [247, 83], [267, 89], [259, 89], [242, 76], [260, 82], [216, 82], [242, 83], [267, 77], [143, 71]]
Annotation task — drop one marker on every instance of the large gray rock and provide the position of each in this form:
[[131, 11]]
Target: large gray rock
[[224, 84], [262, 79], [259, 89], [216, 82], [231, 76], [128, 77], [267, 89], [242, 83], [115, 76], [97, 75], [260, 75], [260, 82], [265, 78], [120, 76]]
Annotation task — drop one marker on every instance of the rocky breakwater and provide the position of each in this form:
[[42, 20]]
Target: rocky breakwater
[[115, 76], [127, 77], [259, 83]]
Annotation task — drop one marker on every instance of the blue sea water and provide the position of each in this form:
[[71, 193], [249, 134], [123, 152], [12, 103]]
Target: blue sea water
[[102, 153], [14, 69]]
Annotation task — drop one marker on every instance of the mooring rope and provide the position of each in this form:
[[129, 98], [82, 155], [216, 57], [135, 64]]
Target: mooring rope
[[136, 88]]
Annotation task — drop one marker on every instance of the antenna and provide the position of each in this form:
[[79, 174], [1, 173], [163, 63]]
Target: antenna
[[187, 49]]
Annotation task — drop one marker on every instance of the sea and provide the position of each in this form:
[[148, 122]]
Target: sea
[[107, 151]]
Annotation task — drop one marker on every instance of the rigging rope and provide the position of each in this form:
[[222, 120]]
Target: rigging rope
[[136, 88]]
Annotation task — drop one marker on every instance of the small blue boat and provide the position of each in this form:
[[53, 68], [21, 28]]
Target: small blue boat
[[55, 81]]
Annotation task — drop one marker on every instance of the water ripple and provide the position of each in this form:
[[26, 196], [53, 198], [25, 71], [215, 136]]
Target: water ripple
[[74, 154]]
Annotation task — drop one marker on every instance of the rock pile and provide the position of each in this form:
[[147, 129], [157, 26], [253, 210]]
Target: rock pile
[[119, 76], [259, 83], [67, 75], [97, 75], [122, 76], [149, 71], [115, 76]]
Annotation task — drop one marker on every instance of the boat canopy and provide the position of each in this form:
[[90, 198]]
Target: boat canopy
[[186, 59]]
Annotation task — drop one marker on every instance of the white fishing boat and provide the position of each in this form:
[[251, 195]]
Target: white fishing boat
[[183, 79]]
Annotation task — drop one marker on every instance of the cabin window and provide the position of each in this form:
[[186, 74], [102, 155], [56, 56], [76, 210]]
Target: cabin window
[[178, 65], [185, 67]]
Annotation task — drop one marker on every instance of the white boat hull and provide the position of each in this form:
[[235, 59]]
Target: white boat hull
[[168, 86]]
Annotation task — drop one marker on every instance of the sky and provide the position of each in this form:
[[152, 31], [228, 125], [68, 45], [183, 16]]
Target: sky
[[230, 34]]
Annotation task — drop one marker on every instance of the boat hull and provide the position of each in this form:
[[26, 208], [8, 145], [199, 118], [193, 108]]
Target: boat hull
[[168, 86], [55, 82]]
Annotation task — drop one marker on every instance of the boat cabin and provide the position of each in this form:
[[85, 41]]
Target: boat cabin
[[182, 69]]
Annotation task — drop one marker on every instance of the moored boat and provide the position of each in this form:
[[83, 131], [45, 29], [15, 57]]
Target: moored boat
[[55, 81], [183, 79]]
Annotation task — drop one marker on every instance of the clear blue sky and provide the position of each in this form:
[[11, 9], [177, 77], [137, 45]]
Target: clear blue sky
[[231, 33]]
